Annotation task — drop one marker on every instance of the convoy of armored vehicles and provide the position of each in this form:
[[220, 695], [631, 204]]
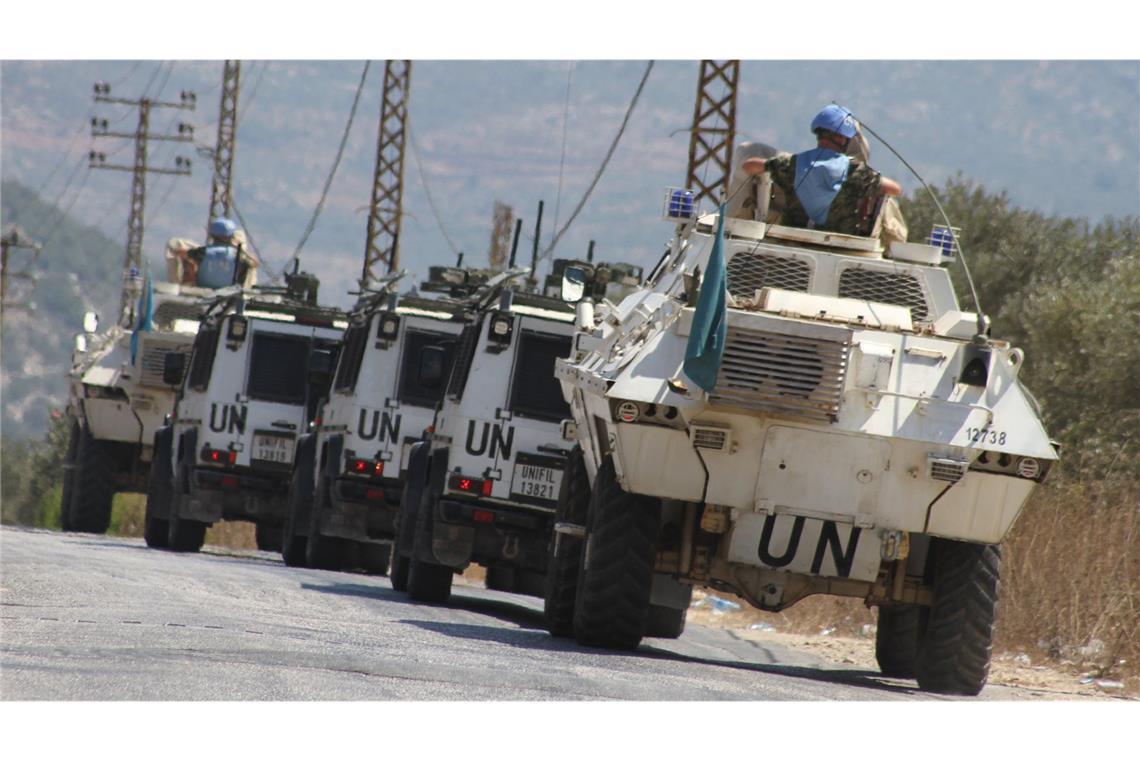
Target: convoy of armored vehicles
[[864, 435]]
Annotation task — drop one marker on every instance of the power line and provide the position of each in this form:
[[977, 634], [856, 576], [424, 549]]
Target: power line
[[427, 192], [605, 161], [253, 90], [332, 173], [562, 159]]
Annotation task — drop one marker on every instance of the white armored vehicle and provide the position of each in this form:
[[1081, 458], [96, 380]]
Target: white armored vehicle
[[863, 438], [117, 398], [261, 365], [483, 486], [349, 473]]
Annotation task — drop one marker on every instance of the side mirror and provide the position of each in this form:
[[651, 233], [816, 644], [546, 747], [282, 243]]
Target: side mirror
[[433, 363], [573, 284], [90, 322], [173, 368]]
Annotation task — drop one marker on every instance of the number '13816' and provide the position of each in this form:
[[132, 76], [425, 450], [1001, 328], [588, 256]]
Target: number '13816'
[[985, 435]]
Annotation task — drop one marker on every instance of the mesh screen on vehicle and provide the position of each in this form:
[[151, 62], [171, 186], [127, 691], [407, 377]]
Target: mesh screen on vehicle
[[535, 392], [896, 288], [749, 271], [411, 391], [278, 368]]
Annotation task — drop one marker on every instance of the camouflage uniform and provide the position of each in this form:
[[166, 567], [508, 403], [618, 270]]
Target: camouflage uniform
[[851, 213]]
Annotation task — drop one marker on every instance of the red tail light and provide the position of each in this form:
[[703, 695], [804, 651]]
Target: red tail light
[[483, 516], [218, 456], [470, 485], [365, 467]]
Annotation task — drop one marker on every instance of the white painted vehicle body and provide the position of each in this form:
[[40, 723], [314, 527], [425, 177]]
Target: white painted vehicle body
[[840, 431]]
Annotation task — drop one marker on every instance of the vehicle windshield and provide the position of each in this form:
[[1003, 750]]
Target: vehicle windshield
[[535, 392], [278, 368]]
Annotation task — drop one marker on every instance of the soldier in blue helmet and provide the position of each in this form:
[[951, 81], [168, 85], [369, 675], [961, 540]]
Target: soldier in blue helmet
[[223, 261], [826, 189]]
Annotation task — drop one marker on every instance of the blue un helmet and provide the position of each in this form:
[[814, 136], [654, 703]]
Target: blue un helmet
[[222, 228], [836, 119]]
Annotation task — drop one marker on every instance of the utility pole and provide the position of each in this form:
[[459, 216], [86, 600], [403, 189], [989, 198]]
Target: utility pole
[[714, 131], [139, 170], [501, 221], [14, 237], [386, 210], [221, 192]]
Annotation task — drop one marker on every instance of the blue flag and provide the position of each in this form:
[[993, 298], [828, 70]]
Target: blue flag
[[705, 348], [145, 318]]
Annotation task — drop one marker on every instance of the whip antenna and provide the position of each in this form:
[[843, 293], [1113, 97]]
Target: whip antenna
[[946, 219]]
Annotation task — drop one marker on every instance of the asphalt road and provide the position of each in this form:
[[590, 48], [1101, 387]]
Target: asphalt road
[[97, 618]]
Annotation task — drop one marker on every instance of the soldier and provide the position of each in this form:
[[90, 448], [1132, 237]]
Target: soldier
[[826, 189], [223, 261]]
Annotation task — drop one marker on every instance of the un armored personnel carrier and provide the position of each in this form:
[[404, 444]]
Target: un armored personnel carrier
[[864, 437], [260, 366], [349, 475], [117, 398], [483, 486]]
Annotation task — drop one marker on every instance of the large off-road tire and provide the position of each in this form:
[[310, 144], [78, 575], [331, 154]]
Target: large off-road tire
[[375, 559], [401, 566], [156, 529], [896, 639], [323, 552], [500, 578], [186, 535], [293, 543], [93, 486], [429, 582], [665, 622], [563, 567], [957, 641], [616, 578], [268, 536], [68, 490], [415, 483]]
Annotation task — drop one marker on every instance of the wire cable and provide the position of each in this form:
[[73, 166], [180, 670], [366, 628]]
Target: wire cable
[[427, 192], [332, 173], [605, 161], [945, 218], [562, 159], [253, 90], [253, 248]]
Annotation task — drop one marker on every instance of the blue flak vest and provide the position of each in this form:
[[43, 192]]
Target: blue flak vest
[[219, 263], [820, 173]]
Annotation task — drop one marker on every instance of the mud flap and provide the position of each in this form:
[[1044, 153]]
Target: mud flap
[[669, 592]]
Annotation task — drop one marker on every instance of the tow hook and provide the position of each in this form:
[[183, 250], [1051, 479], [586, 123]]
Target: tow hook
[[511, 546]]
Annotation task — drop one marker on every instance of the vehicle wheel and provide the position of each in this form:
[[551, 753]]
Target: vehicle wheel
[[156, 529], [896, 639], [429, 582], [563, 567], [293, 544], [401, 565], [186, 535], [269, 537], [323, 552], [93, 486], [665, 622], [414, 484], [375, 559], [617, 565], [69, 477], [954, 649], [500, 578]]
